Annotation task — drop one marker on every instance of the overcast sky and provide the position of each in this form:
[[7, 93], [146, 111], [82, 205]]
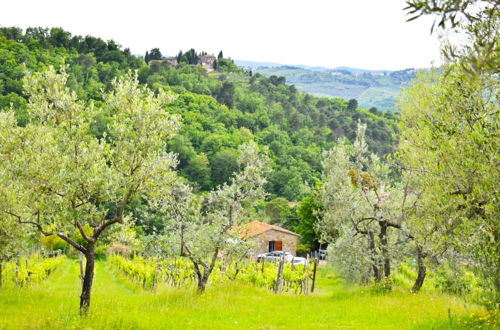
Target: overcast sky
[[367, 34]]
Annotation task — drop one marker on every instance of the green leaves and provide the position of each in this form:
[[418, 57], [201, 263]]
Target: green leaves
[[57, 173], [450, 153], [475, 21]]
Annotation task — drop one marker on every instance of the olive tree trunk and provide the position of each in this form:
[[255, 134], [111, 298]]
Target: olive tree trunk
[[203, 272], [385, 249], [421, 270], [88, 279], [377, 273]]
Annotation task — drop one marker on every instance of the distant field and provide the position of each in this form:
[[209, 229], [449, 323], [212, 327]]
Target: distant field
[[118, 304], [370, 90]]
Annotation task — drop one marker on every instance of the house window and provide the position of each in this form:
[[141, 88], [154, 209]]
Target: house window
[[275, 246]]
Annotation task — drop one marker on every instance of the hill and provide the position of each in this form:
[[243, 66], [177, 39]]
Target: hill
[[251, 65], [220, 109], [370, 88]]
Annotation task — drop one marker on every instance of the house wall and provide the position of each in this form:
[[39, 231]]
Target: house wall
[[207, 61], [171, 62], [262, 240]]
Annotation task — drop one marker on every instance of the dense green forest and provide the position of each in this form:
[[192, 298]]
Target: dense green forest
[[220, 110]]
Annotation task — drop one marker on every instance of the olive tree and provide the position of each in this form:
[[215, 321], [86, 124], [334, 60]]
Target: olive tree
[[449, 146], [58, 175], [476, 24], [365, 210], [206, 224], [450, 142], [11, 241]]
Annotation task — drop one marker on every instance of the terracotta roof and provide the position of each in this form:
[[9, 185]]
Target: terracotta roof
[[255, 228]]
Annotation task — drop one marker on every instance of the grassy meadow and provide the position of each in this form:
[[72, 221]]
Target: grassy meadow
[[119, 304]]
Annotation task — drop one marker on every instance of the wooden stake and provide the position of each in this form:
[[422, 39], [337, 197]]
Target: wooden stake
[[279, 279], [17, 272], [28, 277], [313, 285], [155, 279], [306, 279]]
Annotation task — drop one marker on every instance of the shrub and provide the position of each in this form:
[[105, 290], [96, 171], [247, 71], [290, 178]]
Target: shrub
[[303, 249], [385, 285]]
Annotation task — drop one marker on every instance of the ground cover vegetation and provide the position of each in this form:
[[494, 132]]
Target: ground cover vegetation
[[181, 272], [156, 168], [120, 303]]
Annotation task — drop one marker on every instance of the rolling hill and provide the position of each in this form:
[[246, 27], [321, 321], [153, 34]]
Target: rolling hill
[[372, 88]]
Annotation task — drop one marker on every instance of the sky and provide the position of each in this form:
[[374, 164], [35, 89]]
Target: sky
[[368, 34]]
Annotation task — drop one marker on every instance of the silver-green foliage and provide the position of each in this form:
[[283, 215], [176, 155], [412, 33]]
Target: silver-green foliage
[[56, 174], [364, 209], [449, 147], [205, 225]]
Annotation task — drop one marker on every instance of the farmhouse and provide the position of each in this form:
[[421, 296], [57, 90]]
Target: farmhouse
[[206, 61], [269, 237], [171, 61]]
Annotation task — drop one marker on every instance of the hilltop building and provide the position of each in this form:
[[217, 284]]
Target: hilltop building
[[206, 61]]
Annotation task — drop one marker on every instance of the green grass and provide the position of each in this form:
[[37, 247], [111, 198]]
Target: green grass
[[118, 304]]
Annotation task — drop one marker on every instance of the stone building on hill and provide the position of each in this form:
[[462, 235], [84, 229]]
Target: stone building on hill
[[269, 237], [206, 61], [170, 61]]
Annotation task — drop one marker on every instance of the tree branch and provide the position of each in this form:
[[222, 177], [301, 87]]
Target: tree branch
[[72, 243], [39, 226], [100, 228], [82, 232]]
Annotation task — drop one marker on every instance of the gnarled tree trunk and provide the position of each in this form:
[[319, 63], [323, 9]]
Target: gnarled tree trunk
[[421, 270], [202, 280], [156, 275], [88, 279], [202, 276], [377, 273], [385, 248]]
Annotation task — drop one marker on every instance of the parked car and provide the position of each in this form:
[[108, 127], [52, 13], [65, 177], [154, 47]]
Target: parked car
[[298, 261], [322, 254], [274, 256]]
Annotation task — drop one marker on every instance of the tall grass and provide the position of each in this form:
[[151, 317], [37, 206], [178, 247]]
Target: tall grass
[[117, 304]]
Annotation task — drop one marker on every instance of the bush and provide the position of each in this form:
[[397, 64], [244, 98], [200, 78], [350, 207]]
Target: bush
[[120, 249], [452, 280], [100, 252], [303, 249], [53, 243], [385, 285]]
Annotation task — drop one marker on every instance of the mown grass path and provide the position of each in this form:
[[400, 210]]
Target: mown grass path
[[117, 304]]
